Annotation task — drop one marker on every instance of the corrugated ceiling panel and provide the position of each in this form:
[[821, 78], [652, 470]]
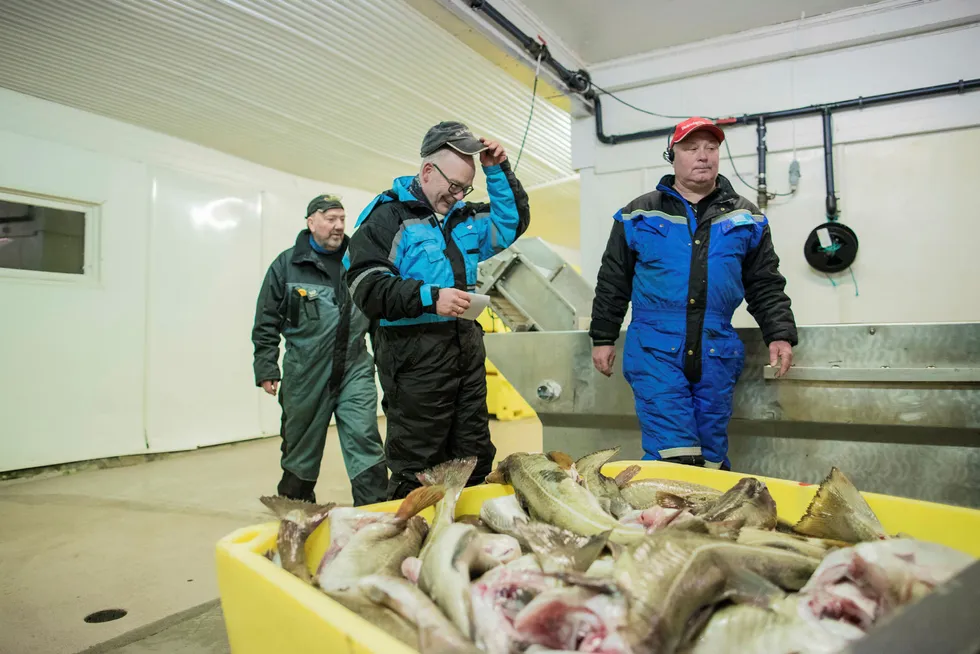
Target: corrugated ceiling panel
[[340, 91]]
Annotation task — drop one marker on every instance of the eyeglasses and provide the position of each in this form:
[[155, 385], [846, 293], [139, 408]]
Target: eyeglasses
[[454, 187]]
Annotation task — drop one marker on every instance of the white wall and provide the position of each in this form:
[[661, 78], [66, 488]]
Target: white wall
[[154, 353], [904, 172]]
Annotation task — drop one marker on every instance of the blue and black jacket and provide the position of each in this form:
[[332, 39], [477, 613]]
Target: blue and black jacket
[[401, 254], [690, 266]]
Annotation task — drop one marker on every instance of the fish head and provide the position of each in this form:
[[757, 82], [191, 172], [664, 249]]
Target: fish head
[[749, 500]]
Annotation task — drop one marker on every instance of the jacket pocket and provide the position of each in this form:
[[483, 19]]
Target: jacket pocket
[[650, 238], [652, 340], [469, 243]]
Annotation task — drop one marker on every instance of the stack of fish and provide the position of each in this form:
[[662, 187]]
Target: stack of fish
[[576, 561]]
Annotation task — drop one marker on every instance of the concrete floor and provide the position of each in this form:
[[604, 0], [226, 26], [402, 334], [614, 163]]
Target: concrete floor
[[141, 538]]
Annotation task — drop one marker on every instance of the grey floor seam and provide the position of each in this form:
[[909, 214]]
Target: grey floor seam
[[152, 629]]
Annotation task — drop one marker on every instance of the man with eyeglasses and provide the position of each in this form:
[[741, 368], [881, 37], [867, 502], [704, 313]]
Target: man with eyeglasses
[[327, 369], [413, 257]]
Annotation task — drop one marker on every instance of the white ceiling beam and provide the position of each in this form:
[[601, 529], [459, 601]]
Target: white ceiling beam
[[881, 21]]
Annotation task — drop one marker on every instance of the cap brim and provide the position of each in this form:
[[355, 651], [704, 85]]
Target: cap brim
[[468, 146]]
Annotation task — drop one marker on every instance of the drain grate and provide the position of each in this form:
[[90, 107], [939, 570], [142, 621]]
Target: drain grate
[[106, 615]]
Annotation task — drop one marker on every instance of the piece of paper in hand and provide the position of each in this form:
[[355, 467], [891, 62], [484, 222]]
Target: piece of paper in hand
[[477, 304]]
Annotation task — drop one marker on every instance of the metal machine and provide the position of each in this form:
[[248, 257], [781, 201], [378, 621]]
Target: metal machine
[[897, 407]]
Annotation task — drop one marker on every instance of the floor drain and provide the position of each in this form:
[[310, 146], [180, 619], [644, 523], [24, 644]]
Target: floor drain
[[108, 615]]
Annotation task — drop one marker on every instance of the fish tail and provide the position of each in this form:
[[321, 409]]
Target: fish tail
[[595, 461], [626, 476], [419, 500], [311, 515], [839, 511], [452, 475]]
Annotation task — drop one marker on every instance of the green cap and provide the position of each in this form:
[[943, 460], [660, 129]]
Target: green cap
[[323, 202], [454, 134]]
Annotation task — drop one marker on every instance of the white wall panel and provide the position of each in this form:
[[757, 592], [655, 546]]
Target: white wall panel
[[205, 245], [71, 352], [84, 374], [903, 172]]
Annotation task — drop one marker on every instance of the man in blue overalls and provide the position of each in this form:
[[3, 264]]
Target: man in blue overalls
[[413, 257], [686, 255]]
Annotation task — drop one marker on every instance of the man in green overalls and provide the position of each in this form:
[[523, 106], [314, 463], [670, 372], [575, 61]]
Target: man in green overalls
[[327, 369]]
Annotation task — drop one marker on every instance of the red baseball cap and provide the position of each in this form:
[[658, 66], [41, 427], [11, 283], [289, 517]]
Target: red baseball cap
[[691, 125]]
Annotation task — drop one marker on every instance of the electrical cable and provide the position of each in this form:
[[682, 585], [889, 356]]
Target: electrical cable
[[534, 95], [635, 108], [739, 175], [771, 195]]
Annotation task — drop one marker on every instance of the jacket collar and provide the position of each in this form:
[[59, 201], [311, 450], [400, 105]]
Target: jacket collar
[[303, 252], [723, 189]]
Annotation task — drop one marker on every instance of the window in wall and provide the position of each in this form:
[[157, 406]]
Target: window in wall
[[42, 236]]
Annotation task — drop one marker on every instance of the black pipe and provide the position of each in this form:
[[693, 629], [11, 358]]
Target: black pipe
[[578, 81], [961, 86], [760, 130], [828, 164]]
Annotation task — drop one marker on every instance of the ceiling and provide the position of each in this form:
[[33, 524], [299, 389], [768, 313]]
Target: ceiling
[[333, 90], [611, 29]]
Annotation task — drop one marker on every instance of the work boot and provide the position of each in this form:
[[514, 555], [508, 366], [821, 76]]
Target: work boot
[[370, 486], [687, 460], [295, 488]]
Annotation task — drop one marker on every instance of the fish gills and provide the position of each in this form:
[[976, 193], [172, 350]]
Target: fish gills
[[839, 512]]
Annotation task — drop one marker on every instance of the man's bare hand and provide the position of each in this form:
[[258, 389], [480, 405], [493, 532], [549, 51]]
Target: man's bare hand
[[270, 387], [494, 155], [452, 302], [781, 354], [603, 358]]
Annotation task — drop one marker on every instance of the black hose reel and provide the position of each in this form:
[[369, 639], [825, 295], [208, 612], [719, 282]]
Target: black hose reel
[[832, 246]]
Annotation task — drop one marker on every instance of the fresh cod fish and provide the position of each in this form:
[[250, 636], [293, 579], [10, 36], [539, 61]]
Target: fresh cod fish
[[607, 490], [644, 493], [451, 476], [436, 634], [552, 496], [380, 543], [297, 520]]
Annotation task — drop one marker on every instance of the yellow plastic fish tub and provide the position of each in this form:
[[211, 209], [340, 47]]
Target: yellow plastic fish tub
[[268, 611]]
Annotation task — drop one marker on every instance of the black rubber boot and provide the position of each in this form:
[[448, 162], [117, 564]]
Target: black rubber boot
[[689, 460], [295, 488], [370, 487]]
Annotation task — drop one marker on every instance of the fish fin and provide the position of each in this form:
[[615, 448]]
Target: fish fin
[[564, 461], [626, 476], [839, 512], [672, 501], [595, 461], [419, 500], [551, 544], [451, 474], [747, 587]]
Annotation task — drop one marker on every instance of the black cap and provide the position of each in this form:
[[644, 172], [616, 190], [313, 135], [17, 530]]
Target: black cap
[[323, 202], [454, 134]]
